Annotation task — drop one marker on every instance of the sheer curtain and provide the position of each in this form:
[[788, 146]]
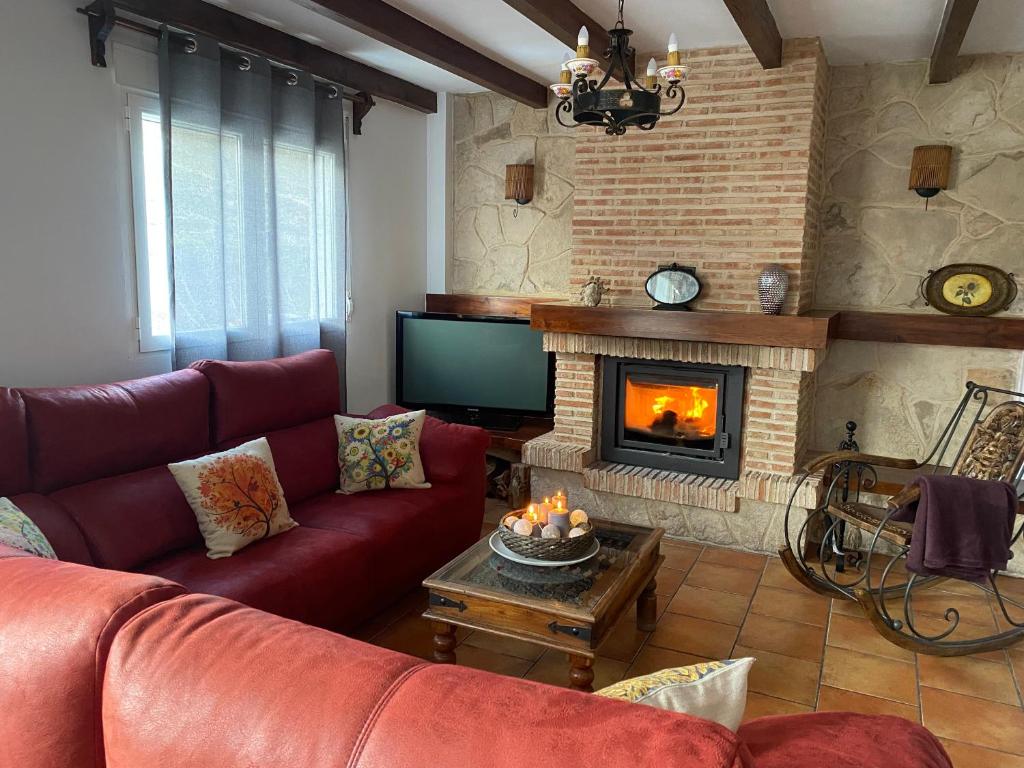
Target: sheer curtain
[[256, 184]]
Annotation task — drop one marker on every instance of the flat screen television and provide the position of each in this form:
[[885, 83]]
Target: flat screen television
[[475, 369]]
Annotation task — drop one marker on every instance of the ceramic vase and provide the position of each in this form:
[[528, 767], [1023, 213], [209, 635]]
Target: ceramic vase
[[772, 284]]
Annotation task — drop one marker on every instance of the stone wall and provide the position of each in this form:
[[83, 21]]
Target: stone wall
[[494, 251], [878, 240]]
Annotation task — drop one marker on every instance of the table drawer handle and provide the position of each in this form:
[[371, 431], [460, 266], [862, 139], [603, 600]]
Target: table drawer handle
[[444, 602], [581, 632]]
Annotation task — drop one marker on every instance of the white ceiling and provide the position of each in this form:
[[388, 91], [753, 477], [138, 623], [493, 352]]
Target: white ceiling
[[852, 31]]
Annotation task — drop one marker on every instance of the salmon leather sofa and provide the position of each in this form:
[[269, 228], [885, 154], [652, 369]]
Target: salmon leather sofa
[[105, 668], [88, 465]]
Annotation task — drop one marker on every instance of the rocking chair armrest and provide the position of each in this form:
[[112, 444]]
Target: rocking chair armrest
[[905, 496], [860, 458]]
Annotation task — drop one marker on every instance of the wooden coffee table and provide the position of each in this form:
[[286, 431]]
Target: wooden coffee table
[[570, 609]]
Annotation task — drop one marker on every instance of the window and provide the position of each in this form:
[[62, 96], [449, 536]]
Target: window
[[153, 280], [307, 240]]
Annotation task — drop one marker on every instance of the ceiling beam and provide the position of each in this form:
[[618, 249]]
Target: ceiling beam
[[389, 25], [245, 34], [562, 20], [755, 20], [955, 21]]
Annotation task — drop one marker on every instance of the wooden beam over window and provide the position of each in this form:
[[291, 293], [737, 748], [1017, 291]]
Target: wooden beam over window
[[245, 34], [955, 21], [562, 20], [389, 25], [755, 20]]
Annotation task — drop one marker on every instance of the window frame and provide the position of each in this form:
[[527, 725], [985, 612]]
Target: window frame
[[136, 104]]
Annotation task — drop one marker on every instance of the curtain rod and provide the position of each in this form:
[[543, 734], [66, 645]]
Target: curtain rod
[[146, 29]]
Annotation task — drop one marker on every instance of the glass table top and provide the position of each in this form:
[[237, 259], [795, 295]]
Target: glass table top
[[574, 587]]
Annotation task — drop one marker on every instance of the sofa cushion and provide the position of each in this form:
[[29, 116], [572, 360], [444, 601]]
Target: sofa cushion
[[56, 525], [129, 519], [447, 449], [202, 681], [457, 716], [318, 577], [236, 497], [257, 397], [374, 454], [831, 738], [413, 531], [14, 470], [78, 434], [57, 621], [306, 457]]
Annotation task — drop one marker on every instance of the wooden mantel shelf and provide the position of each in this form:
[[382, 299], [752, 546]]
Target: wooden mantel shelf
[[802, 331]]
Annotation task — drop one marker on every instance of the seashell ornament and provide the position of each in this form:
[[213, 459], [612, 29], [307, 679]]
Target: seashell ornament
[[523, 527], [575, 532], [550, 531], [510, 522], [578, 517]]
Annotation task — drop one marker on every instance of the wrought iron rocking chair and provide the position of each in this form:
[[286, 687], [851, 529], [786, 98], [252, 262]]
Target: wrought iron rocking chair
[[990, 440]]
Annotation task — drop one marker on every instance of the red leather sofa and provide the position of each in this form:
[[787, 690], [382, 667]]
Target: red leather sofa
[[103, 668], [88, 465]]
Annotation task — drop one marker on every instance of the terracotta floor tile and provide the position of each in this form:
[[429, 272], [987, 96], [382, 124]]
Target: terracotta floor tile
[[1015, 657], [806, 608], [847, 608], [970, 676], [654, 659], [733, 558], [973, 721], [692, 635], [873, 675], [838, 700], [857, 634], [413, 635], [781, 676], [801, 641], [678, 556], [725, 578], [624, 640], [504, 645], [974, 609], [668, 580], [969, 756], [489, 661], [553, 668], [710, 604], [760, 705], [776, 575], [1012, 587], [672, 541]]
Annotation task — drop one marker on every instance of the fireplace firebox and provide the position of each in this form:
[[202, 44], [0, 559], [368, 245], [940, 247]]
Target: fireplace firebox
[[673, 416]]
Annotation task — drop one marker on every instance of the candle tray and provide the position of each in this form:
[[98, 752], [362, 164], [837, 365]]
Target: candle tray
[[547, 549]]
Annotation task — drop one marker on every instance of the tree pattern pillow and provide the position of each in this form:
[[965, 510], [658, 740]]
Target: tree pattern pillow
[[236, 497], [18, 531], [382, 453]]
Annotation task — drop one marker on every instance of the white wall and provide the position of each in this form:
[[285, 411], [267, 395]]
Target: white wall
[[67, 304]]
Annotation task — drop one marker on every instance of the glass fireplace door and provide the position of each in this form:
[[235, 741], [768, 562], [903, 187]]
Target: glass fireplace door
[[676, 412]]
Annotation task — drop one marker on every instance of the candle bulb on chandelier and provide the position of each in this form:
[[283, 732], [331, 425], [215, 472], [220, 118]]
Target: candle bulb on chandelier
[[652, 74], [583, 44], [565, 76], [673, 50]]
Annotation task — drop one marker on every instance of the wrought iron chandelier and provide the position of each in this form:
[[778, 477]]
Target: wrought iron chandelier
[[616, 109]]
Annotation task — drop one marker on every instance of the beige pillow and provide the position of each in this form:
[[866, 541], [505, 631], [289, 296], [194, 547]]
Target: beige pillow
[[714, 690], [374, 454], [235, 495], [18, 531]]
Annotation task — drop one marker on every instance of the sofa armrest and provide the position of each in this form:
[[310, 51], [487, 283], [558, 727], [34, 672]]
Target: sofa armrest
[[446, 449]]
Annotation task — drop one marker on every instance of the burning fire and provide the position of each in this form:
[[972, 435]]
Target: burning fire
[[671, 409]]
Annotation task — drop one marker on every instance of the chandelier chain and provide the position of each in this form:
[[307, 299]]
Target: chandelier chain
[[621, 24]]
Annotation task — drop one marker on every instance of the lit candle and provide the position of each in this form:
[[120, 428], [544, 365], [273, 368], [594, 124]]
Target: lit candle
[[583, 44], [544, 510], [673, 50], [560, 500], [559, 517], [652, 74]]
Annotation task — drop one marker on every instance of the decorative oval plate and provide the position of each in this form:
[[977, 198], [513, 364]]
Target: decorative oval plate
[[498, 546], [969, 289]]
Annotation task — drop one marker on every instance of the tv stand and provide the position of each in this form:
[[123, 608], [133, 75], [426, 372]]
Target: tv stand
[[492, 422]]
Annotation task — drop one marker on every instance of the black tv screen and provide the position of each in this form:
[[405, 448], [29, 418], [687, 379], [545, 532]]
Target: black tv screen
[[459, 362]]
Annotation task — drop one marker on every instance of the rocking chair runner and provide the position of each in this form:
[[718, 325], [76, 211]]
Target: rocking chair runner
[[990, 440]]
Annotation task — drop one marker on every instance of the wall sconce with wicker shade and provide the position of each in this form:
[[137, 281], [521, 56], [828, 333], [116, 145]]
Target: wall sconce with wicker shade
[[929, 170], [519, 184]]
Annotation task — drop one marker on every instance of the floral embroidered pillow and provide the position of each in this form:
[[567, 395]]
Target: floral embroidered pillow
[[235, 496], [381, 453], [18, 531]]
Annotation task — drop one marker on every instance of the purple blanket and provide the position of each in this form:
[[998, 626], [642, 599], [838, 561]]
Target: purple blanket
[[962, 527]]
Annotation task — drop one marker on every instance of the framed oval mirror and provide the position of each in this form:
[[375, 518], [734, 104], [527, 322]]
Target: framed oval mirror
[[673, 287]]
